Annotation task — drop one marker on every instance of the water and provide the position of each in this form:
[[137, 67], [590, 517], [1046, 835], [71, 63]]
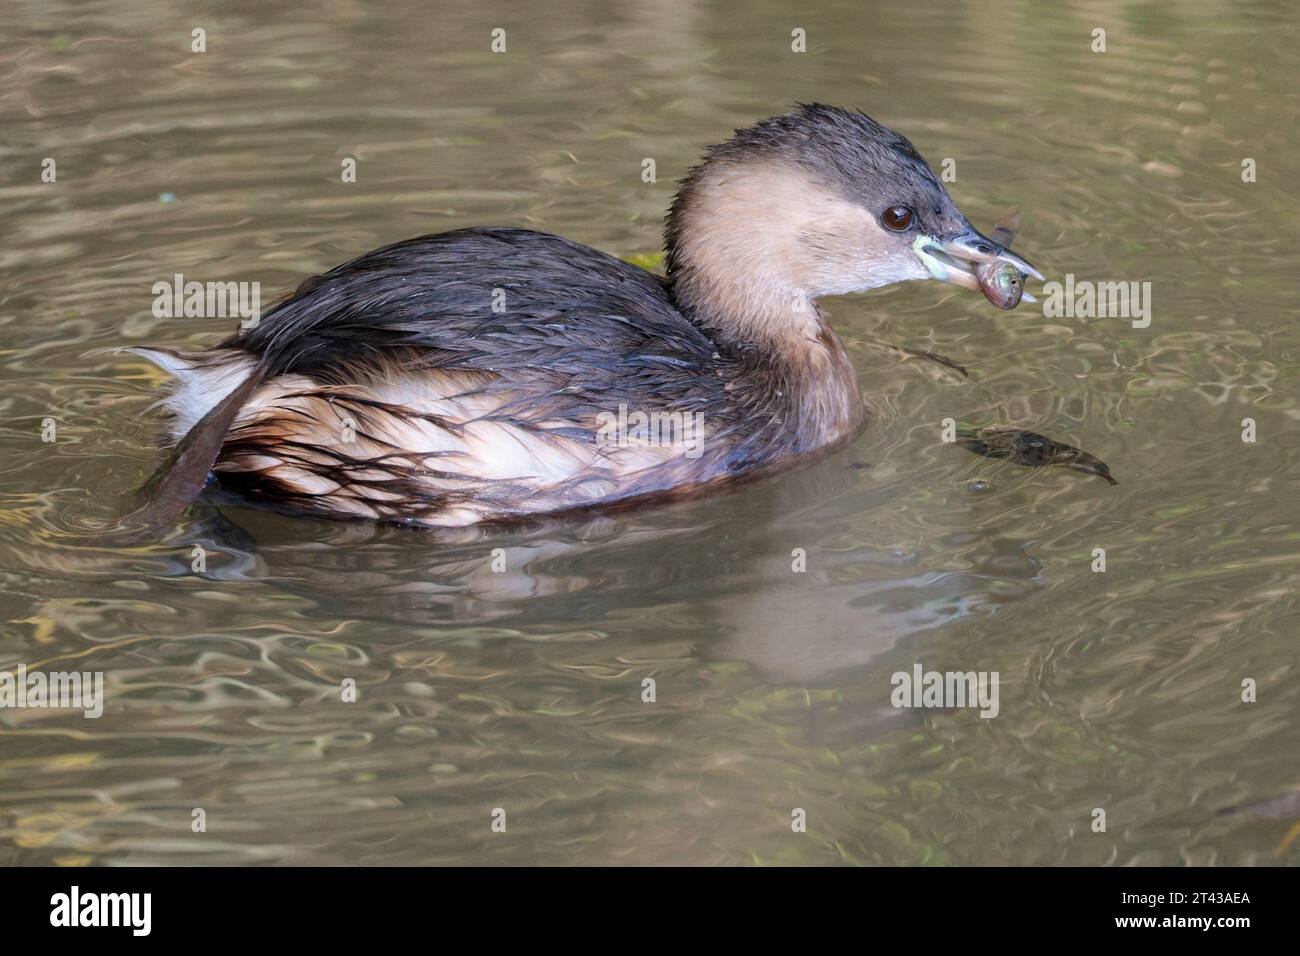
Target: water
[[522, 689]]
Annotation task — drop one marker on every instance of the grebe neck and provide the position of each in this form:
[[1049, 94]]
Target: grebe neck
[[734, 270]]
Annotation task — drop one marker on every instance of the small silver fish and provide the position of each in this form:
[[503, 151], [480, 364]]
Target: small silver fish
[[1001, 282]]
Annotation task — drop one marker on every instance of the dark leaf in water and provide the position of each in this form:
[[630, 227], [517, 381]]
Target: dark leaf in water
[[1032, 450]]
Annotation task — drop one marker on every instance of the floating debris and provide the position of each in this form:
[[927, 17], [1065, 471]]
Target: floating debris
[[1275, 808], [1032, 450], [1285, 807]]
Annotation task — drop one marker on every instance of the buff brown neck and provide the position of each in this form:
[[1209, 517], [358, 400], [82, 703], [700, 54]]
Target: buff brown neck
[[750, 248]]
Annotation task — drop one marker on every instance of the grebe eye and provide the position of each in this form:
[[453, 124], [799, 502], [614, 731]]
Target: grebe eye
[[898, 218]]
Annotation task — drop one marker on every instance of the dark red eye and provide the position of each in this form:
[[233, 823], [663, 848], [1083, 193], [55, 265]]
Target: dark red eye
[[898, 218]]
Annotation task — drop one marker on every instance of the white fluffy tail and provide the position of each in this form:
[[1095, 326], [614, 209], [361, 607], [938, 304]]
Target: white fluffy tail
[[201, 380]]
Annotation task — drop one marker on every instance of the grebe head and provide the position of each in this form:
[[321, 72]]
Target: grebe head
[[818, 201]]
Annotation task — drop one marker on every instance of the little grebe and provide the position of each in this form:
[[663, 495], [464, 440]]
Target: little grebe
[[485, 374]]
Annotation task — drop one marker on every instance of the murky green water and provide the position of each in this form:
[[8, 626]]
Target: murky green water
[[522, 689]]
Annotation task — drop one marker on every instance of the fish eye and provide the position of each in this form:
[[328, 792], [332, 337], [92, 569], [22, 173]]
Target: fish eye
[[897, 218]]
